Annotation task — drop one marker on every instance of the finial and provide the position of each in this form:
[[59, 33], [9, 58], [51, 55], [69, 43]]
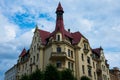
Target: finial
[[36, 26], [101, 48], [59, 8]]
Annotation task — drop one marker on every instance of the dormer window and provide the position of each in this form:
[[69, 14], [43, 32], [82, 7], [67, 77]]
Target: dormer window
[[58, 37], [85, 47]]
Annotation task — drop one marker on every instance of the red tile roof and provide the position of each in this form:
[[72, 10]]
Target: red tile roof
[[44, 35], [97, 51], [23, 53], [75, 37]]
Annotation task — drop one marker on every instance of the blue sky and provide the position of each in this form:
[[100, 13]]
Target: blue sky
[[97, 20]]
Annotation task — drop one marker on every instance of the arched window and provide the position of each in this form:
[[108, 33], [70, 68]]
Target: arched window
[[58, 49]]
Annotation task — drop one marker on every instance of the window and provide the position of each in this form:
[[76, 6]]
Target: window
[[89, 71], [68, 52], [58, 64], [58, 49], [31, 69], [34, 47], [26, 66], [102, 67], [34, 59], [83, 69], [37, 57], [36, 66], [58, 37], [23, 68], [35, 39], [38, 46], [69, 65], [72, 66], [93, 65], [71, 54], [30, 60], [85, 46], [88, 60], [94, 75], [82, 57]]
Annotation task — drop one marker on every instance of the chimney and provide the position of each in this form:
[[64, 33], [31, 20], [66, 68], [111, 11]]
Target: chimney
[[68, 30]]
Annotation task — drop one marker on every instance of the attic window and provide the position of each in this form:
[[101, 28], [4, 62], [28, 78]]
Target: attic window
[[86, 50], [58, 37], [85, 46]]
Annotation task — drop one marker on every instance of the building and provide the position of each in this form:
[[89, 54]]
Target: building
[[11, 73], [115, 73], [22, 64], [64, 49], [102, 68]]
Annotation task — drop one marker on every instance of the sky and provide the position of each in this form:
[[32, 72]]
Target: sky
[[97, 20]]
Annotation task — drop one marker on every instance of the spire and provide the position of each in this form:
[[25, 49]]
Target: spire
[[59, 8], [23, 53], [59, 20], [36, 28]]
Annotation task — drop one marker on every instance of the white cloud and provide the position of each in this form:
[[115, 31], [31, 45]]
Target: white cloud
[[113, 59], [46, 25], [7, 29], [12, 41]]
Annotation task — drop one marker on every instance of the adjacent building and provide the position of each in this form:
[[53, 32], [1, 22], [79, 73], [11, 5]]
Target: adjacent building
[[115, 73], [64, 49], [102, 67], [11, 74]]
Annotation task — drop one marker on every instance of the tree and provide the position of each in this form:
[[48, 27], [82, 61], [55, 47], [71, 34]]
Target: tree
[[37, 75], [51, 73], [67, 75], [24, 77], [85, 78]]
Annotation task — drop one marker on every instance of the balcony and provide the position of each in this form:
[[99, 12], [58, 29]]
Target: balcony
[[85, 51], [99, 71], [58, 55]]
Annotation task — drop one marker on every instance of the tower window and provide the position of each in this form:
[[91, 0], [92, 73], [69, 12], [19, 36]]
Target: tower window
[[58, 49]]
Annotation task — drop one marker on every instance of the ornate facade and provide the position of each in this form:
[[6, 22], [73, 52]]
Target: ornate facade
[[64, 49]]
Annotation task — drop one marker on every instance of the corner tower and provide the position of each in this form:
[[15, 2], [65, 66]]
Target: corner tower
[[59, 18]]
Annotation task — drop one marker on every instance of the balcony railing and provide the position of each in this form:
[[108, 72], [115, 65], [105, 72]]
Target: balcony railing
[[56, 55], [85, 51]]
